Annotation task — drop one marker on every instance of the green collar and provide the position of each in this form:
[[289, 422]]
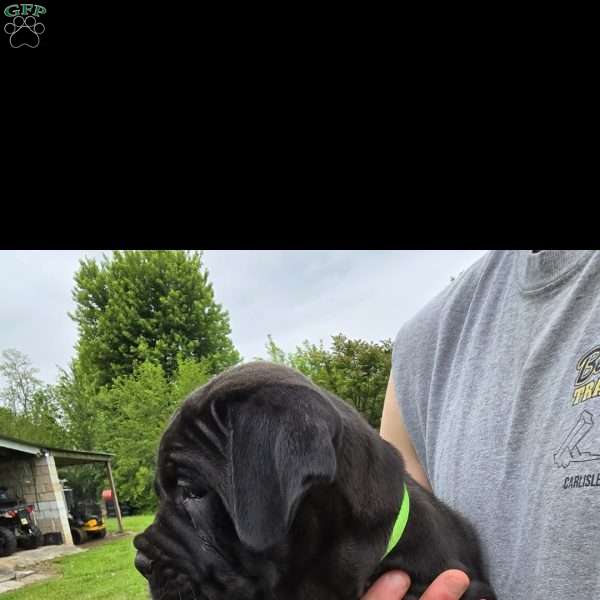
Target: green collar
[[400, 523]]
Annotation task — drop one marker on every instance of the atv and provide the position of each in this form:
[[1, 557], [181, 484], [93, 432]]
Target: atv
[[17, 528]]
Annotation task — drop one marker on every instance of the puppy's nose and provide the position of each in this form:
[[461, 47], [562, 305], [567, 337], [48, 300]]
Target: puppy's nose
[[143, 564]]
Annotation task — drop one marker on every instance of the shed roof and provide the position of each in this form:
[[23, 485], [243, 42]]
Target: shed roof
[[9, 447]]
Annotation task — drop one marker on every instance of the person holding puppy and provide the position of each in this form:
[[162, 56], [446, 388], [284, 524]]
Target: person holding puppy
[[494, 402]]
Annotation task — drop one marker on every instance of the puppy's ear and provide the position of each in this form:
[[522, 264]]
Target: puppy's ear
[[277, 453]]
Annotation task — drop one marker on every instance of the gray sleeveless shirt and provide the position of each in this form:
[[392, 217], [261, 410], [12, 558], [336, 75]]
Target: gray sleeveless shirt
[[498, 380]]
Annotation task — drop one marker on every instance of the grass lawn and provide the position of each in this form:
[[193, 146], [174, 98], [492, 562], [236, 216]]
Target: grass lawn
[[103, 572]]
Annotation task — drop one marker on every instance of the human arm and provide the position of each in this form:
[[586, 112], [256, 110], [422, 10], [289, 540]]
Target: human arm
[[394, 431]]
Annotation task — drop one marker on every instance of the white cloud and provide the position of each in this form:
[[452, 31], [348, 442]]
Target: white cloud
[[298, 295], [293, 295]]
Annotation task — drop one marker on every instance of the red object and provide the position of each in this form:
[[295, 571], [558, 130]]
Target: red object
[[30, 509], [107, 495]]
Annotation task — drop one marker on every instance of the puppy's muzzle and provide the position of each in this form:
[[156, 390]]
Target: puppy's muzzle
[[143, 564]]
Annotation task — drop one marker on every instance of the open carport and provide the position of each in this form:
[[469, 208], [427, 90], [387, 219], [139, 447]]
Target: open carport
[[29, 471]]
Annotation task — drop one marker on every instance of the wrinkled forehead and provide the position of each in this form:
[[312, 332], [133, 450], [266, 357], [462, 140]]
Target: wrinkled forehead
[[200, 429], [191, 411], [195, 440]]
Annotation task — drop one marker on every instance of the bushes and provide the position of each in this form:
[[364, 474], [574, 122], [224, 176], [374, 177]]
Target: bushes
[[136, 410]]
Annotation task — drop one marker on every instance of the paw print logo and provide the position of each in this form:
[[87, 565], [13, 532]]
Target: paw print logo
[[24, 31]]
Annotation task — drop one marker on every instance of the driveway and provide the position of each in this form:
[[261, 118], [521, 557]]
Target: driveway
[[24, 567]]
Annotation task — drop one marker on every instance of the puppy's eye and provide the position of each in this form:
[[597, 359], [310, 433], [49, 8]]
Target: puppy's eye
[[191, 493]]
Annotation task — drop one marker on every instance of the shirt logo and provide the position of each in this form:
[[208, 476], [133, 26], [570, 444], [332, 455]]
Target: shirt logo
[[587, 382], [570, 450]]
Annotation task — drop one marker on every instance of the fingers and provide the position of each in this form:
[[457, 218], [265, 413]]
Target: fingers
[[450, 585], [391, 586]]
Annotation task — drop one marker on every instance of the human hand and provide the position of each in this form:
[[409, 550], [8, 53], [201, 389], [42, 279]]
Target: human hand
[[450, 585]]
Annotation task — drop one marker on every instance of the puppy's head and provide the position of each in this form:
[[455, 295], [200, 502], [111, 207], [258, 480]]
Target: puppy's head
[[243, 469]]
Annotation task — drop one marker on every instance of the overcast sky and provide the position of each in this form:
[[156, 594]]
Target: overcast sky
[[292, 295]]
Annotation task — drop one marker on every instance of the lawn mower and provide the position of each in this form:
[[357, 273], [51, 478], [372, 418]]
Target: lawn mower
[[85, 521]]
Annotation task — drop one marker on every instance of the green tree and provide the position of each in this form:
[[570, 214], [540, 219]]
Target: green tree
[[312, 360], [7, 422], [45, 417], [77, 395], [31, 409], [136, 410], [361, 371], [355, 370], [275, 353], [21, 382], [41, 425], [153, 305], [191, 374]]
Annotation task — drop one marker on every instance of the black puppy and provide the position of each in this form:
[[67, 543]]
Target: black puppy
[[271, 488]]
